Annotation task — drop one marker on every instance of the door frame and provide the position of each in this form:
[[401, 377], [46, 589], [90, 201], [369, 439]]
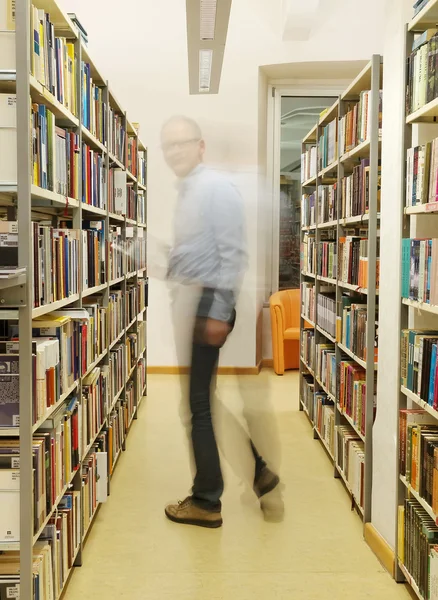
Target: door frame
[[276, 91]]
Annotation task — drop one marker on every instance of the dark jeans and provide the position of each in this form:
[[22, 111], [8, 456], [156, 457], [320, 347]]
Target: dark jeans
[[208, 485]]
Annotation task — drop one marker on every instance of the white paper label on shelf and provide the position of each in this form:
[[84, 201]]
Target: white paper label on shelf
[[120, 191], [16, 420], [130, 232], [432, 207], [140, 232], [15, 462], [13, 591]]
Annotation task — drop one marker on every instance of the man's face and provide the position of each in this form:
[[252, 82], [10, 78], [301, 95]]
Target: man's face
[[183, 151]]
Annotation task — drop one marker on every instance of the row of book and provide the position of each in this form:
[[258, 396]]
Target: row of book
[[327, 259], [53, 60], [328, 145], [142, 167], [420, 270], [308, 300], [142, 336], [94, 178], [353, 259], [355, 191], [308, 254], [326, 313], [308, 348], [141, 376], [422, 174], [419, 360], [327, 203], [354, 127], [308, 210], [307, 393], [117, 135], [131, 350], [132, 162], [326, 371], [421, 71], [308, 164], [324, 419], [353, 326], [418, 547], [94, 109], [352, 392], [350, 458]]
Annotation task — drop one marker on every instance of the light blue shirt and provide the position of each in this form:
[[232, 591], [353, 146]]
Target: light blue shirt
[[210, 246]]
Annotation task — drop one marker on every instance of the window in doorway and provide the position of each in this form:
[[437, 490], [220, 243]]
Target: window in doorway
[[298, 116]]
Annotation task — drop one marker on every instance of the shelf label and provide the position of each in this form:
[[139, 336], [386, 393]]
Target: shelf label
[[432, 207]]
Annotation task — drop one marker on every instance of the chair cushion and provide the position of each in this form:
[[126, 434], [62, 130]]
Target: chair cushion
[[292, 333]]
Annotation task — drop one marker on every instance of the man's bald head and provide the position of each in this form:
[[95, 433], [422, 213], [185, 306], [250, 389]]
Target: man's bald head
[[182, 143]]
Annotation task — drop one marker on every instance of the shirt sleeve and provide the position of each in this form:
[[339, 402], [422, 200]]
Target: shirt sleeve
[[228, 224]]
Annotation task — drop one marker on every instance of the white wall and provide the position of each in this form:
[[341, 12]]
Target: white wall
[[140, 46], [385, 427]]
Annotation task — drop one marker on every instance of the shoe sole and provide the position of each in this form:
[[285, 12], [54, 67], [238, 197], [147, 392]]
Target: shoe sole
[[271, 486], [196, 522]]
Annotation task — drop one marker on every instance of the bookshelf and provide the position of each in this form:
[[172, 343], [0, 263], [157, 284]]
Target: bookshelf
[[73, 318], [417, 506], [339, 280]]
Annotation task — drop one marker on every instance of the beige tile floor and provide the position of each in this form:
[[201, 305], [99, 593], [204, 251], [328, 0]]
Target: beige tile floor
[[317, 552]]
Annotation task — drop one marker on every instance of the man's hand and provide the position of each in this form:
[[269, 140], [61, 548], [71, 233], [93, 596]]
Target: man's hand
[[215, 332]]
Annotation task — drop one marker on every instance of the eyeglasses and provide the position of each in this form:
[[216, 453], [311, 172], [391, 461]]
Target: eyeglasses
[[178, 145]]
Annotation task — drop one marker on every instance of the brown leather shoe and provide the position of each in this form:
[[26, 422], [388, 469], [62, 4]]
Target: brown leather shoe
[[265, 482], [188, 513]]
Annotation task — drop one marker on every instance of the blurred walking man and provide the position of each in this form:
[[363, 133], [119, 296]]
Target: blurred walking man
[[206, 268]]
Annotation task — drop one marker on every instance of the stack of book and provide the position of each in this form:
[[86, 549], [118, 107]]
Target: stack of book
[[324, 419], [352, 392], [94, 178], [354, 127], [93, 106], [327, 203], [308, 213], [116, 249], [308, 347], [116, 135], [326, 311], [353, 259], [53, 60], [116, 435], [131, 302], [141, 208], [420, 270], [422, 80], [56, 262], [307, 393], [308, 254], [131, 202], [132, 157], [98, 328], [131, 350], [418, 350], [142, 294], [117, 369], [308, 300], [350, 458], [96, 401], [129, 404], [308, 164], [326, 366], [94, 253], [355, 191], [141, 378], [46, 388], [354, 321], [55, 154], [142, 167], [418, 546], [116, 315], [140, 252], [422, 174], [328, 145], [141, 334], [327, 259]]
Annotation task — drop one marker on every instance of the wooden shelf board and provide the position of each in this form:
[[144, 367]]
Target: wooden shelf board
[[360, 84], [48, 308], [311, 275], [329, 169], [421, 403], [311, 136], [327, 225], [428, 17], [324, 388], [324, 443], [349, 353], [326, 334], [328, 280], [425, 114], [41, 95], [419, 499], [307, 413], [410, 581], [421, 306], [348, 487], [95, 210], [55, 407], [91, 140], [94, 290], [307, 367], [308, 228], [312, 323], [419, 209], [351, 422], [309, 182], [330, 115]]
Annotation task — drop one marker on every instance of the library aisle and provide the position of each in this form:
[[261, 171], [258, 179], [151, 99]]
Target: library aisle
[[316, 552]]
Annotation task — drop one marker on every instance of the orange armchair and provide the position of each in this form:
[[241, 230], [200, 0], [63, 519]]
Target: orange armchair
[[285, 327]]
